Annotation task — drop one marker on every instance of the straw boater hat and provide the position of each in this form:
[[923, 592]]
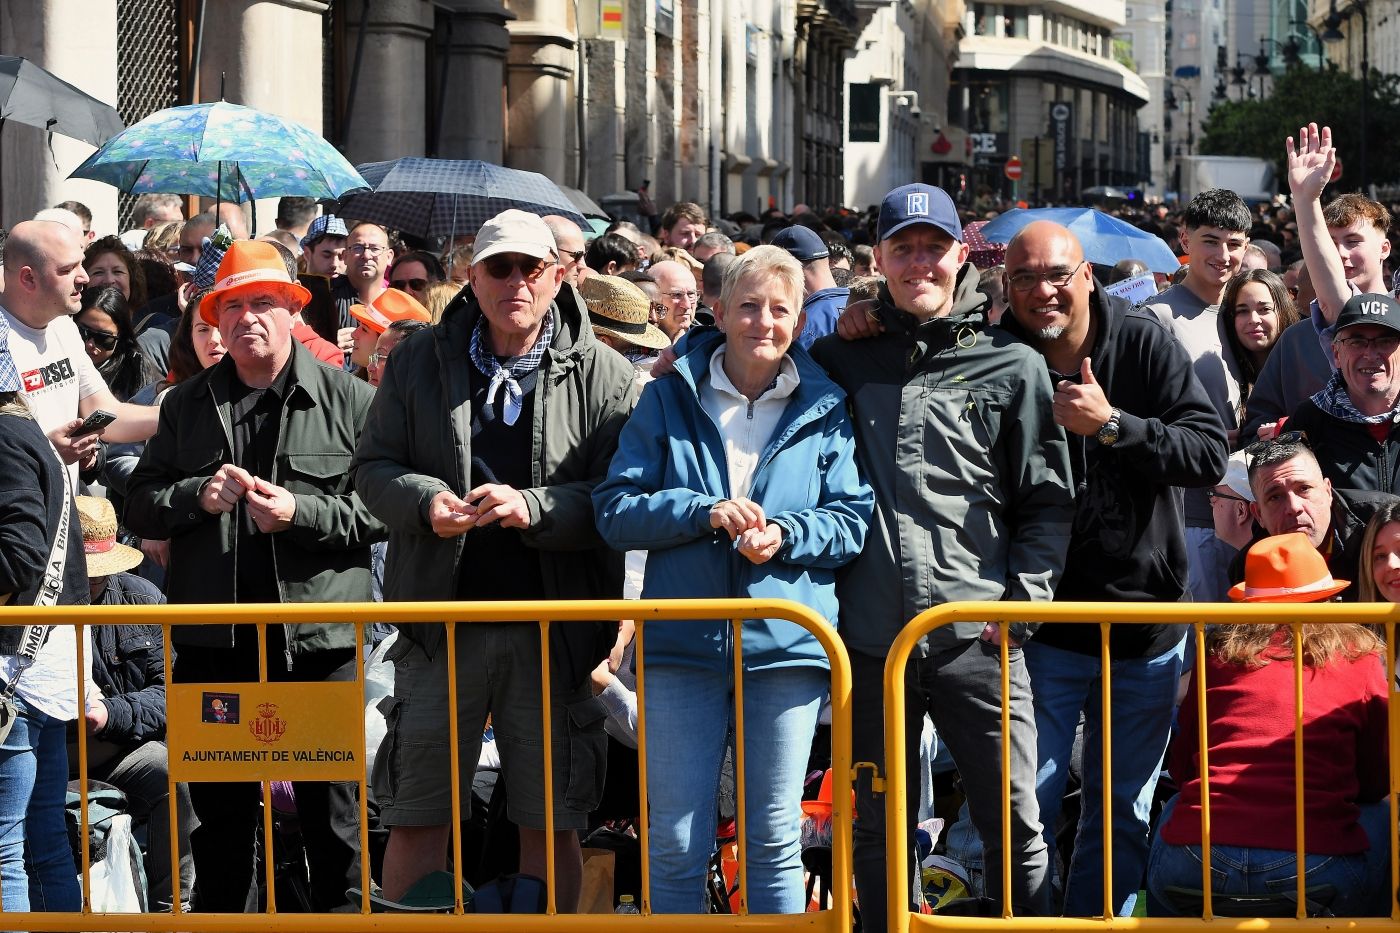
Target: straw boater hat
[[104, 555], [1286, 569], [249, 263], [618, 307]]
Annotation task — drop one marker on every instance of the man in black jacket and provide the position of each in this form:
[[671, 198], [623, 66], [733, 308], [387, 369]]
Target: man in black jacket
[[1291, 494], [1139, 423], [1351, 423]]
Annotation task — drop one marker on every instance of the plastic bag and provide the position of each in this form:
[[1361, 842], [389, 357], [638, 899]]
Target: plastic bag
[[118, 882]]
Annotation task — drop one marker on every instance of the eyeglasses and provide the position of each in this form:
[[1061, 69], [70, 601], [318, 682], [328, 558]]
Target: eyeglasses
[[377, 359], [1212, 494], [367, 249], [404, 285], [682, 295], [1025, 281], [501, 266], [660, 309], [574, 255], [98, 338], [1386, 343], [1286, 439]]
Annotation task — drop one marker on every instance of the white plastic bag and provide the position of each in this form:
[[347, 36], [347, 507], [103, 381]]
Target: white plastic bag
[[118, 882], [379, 683]]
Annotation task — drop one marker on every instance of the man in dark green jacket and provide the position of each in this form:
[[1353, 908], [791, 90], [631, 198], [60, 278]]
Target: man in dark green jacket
[[248, 478], [481, 454]]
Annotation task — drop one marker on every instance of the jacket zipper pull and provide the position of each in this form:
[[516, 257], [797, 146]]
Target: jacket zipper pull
[[750, 410], [287, 653]]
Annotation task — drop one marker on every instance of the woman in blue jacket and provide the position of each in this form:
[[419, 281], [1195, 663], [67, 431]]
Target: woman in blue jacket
[[737, 474]]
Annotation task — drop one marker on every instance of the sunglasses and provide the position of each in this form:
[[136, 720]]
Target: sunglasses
[[1286, 439], [1212, 494], [530, 268], [404, 285], [98, 338]]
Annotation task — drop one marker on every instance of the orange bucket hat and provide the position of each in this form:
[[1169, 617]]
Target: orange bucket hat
[[1286, 569], [391, 305], [248, 263]]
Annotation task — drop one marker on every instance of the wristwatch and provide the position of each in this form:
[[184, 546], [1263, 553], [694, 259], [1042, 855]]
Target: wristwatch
[[1108, 434]]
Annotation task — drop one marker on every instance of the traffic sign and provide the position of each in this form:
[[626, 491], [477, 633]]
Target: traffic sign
[[1013, 168]]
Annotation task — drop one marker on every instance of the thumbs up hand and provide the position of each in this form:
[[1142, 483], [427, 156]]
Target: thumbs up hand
[[1081, 408]]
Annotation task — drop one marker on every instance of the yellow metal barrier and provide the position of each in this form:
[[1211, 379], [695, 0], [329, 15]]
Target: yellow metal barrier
[[838, 919], [1198, 616]]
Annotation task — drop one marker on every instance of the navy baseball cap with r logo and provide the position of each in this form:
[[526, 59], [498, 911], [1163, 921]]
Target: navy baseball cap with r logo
[[918, 204]]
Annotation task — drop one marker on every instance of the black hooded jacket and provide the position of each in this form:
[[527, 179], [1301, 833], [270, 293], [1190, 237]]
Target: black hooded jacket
[[1128, 542]]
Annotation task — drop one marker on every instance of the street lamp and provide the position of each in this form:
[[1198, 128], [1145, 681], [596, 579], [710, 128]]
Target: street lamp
[[1334, 34], [1293, 49]]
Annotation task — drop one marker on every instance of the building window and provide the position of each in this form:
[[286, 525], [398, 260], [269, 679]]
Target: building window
[[1016, 22], [985, 18]]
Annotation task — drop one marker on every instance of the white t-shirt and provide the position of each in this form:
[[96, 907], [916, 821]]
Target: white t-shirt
[[50, 685], [54, 370]]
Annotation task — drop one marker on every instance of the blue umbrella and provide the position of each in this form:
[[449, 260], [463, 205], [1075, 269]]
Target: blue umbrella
[[443, 197], [223, 151], [1106, 239]]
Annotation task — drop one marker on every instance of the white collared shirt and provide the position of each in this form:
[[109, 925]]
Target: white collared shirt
[[745, 427]]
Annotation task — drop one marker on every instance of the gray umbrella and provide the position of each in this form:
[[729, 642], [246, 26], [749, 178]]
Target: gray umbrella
[[32, 96]]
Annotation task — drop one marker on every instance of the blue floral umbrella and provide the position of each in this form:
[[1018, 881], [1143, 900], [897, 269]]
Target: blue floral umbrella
[[223, 151]]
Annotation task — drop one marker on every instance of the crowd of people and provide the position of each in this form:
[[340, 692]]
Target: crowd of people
[[845, 410]]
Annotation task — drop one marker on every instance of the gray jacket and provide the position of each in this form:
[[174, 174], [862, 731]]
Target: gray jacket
[[417, 443], [973, 490]]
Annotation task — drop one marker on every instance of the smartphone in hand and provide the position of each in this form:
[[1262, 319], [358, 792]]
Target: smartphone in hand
[[94, 422]]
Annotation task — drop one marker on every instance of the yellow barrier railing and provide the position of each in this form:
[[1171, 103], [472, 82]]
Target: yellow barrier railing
[[1196, 615], [837, 919]]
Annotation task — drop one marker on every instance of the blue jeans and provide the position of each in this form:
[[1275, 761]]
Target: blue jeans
[[1208, 573], [1066, 683], [689, 722], [1360, 880], [36, 863]]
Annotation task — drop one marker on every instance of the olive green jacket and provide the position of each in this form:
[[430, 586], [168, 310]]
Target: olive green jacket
[[323, 557]]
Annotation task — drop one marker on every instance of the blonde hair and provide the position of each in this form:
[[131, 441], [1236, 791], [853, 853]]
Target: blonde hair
[[438, 297], [15, 403], [164, 236], [768, 260], [1366, 591], [1257, 645]]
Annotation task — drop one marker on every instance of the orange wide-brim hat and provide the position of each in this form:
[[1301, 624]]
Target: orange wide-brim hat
[[249, 263], [1286, 569], [391, 305]]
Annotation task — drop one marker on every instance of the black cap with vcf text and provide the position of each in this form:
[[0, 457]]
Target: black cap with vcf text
[[1371, 308]]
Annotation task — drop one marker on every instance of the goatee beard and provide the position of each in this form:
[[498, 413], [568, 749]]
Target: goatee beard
[[1051, 333]]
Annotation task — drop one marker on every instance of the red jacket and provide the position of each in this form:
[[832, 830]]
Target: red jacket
[[322, 349], [1250, 716]]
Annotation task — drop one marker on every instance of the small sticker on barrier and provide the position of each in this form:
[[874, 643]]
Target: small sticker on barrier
[[220, 708]]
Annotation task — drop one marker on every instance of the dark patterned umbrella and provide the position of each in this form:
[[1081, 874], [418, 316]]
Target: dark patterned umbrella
[[445, 197]]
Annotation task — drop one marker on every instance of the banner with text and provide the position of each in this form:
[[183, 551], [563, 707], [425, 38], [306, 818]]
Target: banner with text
[[266, 732]]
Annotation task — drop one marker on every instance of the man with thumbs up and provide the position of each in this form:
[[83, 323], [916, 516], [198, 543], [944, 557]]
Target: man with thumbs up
[[1139, 423]]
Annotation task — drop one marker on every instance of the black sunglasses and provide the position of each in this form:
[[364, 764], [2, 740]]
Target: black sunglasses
[[501, 266], [1286, 439], [1212, 494], [98, 338], [404, 285]]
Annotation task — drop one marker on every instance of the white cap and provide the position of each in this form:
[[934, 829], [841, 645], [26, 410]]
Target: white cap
[[513, 231], [1237, 476]]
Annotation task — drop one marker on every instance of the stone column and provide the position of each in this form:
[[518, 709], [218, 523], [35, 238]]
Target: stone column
[[607, 116], [540, 65], [388, 115], [640, 130], [43, 31], [472, 115], [268, 54]]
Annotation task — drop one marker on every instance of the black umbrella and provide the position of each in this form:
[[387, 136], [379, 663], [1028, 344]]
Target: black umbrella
[[32, 96]]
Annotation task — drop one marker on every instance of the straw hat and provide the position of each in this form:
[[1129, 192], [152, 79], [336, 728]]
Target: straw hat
[[618, 307], [104, 555], [248, 263], [1286, 569], [391, 305]]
